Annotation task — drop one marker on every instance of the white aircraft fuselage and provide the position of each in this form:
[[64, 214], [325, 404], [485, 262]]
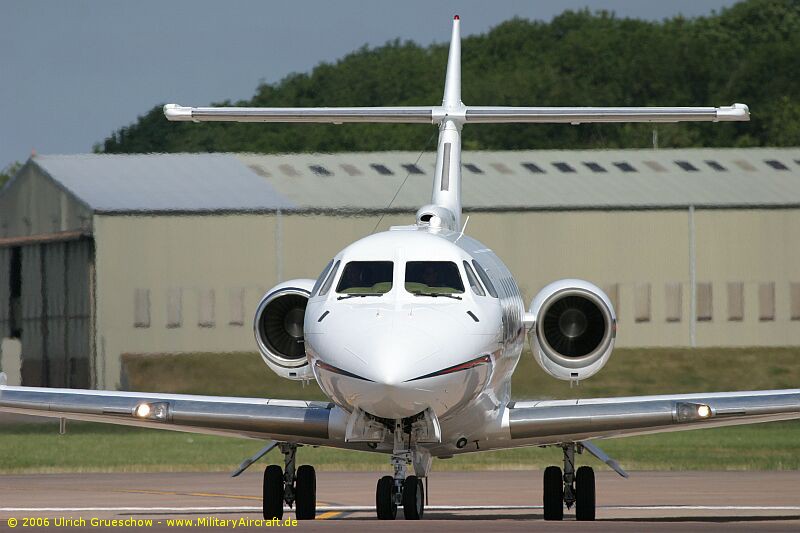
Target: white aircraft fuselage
[[396, 354]]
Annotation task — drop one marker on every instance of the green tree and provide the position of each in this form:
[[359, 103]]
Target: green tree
[[748, 53], [8, 172]]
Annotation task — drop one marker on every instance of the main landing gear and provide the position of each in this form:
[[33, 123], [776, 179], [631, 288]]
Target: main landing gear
[[293, 487], [398, 490], [571, 488]]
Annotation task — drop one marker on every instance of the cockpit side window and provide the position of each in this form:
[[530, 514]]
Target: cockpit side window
[[433, 277], [366, 277], [485, 279], [328, 282], [321, 278], [473, 281]]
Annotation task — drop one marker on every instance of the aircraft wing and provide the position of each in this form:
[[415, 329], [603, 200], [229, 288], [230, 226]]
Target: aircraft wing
[[555, 421], [295, 421]]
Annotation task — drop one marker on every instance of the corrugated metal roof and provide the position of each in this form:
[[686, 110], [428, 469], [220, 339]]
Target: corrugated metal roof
[[500, 180], [162, 182], [581, 179]]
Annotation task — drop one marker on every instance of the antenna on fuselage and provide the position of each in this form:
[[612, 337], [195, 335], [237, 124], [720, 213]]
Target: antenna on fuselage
[[445, 207]]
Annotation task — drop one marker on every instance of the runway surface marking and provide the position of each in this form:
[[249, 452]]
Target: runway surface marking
[[335, 509], [198, 494]]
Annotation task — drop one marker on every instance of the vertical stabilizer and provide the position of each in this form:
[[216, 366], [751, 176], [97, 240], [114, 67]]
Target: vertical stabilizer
[[447, 180]]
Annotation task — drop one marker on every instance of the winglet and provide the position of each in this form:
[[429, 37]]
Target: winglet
[[3, 379]]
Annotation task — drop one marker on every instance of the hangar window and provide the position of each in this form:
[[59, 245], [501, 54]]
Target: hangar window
[[473, 168], [321, 278], [433, 278], [141, 308], [533, 167], [563, 167], [205, 308], [174, 308], [716, 166], [777, 165], [687, 166], [261, 171], [487, 282], [655, 165], [625, 166], [674, 302], [735, 301], [319, 170], [289, 170], [366, 278], [745, 165], [642, 302], [350, 169], [411, 168], [766, 302], [382, 169], [794, 300], [236, 306], [328, 282], [705, 307], [474, 284], [594, 167], [502, 168]]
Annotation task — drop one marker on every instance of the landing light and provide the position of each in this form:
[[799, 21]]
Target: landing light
[[156, 411], [703, 411]]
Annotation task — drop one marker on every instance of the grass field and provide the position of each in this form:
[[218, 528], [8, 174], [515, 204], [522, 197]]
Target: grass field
[[96, 448]]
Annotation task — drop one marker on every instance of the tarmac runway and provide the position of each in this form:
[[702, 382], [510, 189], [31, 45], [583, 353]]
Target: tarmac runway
[[492, 501]]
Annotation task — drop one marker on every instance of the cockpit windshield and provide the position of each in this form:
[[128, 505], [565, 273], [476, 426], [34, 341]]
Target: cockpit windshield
[[433, 278], [366, 278]]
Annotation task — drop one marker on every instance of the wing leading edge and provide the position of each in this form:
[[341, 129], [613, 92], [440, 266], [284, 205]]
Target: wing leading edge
[[549, 422], [283, 420]]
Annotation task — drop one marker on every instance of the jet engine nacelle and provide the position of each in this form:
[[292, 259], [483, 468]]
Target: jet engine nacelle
[[278, 327], [574, 329]]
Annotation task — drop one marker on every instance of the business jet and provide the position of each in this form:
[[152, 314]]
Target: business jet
[[414, 333]]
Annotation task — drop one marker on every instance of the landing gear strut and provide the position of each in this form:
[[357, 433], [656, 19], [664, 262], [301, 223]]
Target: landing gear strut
[[292, 486], [571, 488]]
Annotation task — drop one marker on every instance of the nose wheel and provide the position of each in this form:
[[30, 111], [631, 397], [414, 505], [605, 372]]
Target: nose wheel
[[569, 488]]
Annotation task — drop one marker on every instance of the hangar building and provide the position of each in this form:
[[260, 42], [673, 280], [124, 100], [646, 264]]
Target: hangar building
[[105, 255]]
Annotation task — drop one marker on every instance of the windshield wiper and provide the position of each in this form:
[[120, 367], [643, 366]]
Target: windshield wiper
[[359, 295], [436, 294]]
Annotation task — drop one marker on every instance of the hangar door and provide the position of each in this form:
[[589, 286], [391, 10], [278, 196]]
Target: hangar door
[[48, 306]]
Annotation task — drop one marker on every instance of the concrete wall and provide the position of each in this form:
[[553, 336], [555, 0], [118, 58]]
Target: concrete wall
[[153, 259]]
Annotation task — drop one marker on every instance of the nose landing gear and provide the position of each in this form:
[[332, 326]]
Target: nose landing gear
[[399, 490], [290, 486], [571, 488]]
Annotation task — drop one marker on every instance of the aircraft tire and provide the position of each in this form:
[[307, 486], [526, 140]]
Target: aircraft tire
[[305, 493], [553, 494], [384, 499], [273, 493], [413, 498], [584, 494]]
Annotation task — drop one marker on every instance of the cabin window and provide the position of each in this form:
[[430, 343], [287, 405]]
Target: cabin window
[[473, 280], [328, 282], [432, 278], [321, 278], [366, 277], [485, 279]]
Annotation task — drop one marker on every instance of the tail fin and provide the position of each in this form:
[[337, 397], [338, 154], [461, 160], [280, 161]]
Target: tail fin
[[450, 117]]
